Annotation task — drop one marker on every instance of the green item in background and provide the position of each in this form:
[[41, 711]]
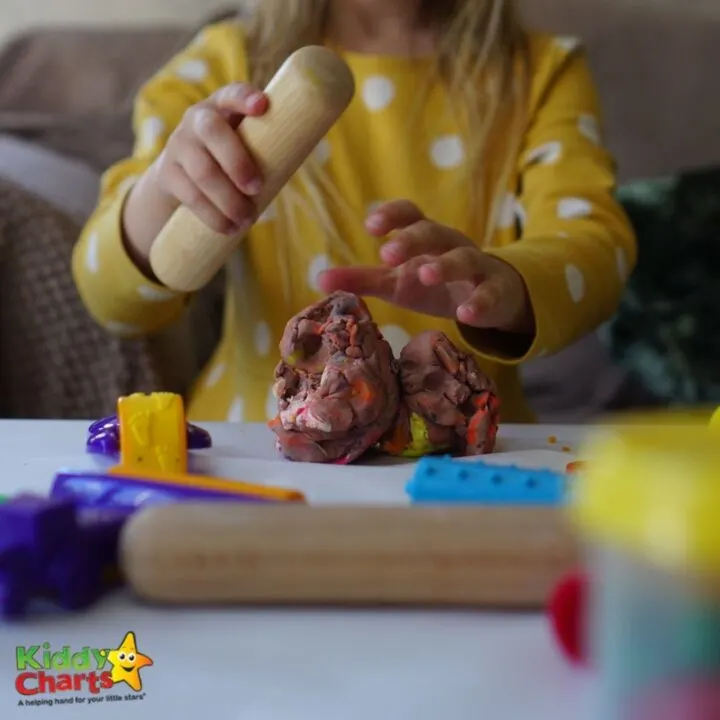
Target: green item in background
[[667, 328], [702, 638], [4, 499]]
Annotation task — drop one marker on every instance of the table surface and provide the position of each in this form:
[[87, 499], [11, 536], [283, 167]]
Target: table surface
[[272, 664]]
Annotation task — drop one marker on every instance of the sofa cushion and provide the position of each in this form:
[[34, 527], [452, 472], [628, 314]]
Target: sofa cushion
[[82, 71], [68, 184], [654, 62], [72, 90], [55, 360]]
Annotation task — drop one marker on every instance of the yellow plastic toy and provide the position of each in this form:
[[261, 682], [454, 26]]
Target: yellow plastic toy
[[648, 506], [153, 432], [154, 450], [210, 483]]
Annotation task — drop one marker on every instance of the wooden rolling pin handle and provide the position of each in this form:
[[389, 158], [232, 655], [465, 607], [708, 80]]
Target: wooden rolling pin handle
[[307, 96], [204, 554]]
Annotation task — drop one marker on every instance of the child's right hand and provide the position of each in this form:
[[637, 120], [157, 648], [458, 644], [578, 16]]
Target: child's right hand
[[205, 165]]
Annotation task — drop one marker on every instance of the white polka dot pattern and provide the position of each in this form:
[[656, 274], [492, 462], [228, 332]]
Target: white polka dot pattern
[[574, 208], [193, 70], [447, 152], [150, 133], [215, 375], [236, 413], [123, 329], [269, 214], [396, 336], [92, 253], [546, 154], [589, 128], [377, 92], [568, 44], [155, 294], [510, 212], [271, 405], [263, 338], [521, 214], [199, 40], [319, 264], [506, 212], [322, 151], [575, 282]]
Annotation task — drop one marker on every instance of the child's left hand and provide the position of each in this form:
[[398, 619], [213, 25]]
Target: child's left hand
[[435, 270]]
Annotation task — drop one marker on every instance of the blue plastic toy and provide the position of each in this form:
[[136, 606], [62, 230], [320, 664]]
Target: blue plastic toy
[[104, 437], [121, 491], [446, 480], [50, 550]]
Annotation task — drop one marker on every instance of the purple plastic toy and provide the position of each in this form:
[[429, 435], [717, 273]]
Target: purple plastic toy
[[91, 489], [104, 437], [50, 550]]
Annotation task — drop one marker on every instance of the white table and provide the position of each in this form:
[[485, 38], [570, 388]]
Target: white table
[[287, 665]]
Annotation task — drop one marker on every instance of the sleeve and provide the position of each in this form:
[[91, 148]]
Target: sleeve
[[577, 246], [115, 292]]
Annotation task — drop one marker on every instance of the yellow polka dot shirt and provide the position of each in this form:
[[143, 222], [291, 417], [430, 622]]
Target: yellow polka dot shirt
[[558, 223]]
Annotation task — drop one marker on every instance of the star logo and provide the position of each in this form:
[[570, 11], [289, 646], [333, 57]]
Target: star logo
[[127, 663]]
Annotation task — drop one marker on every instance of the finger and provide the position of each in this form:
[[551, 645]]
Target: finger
[[227, 149], [422, 238], [373, 281], [189, 194], [393, 216], [482, 307], [237, 100], [204, 172], [460, 263]]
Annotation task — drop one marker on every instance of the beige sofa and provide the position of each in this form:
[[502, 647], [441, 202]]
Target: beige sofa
[[654, 61], [65, 101]]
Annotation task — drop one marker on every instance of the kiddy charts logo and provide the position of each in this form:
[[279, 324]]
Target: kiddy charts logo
[[59, 676]]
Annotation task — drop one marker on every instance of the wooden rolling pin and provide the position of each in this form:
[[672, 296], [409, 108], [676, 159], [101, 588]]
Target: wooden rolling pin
[[241, 554], [307, 96]]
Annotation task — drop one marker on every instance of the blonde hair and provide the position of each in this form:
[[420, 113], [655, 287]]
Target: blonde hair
[[481, 59]]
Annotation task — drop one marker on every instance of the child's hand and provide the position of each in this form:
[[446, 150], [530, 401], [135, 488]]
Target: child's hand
[[205, 165], [433, 269]]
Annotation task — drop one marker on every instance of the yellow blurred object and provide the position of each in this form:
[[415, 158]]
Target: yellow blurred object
[[653, 490], [153, 432], [715, 419]]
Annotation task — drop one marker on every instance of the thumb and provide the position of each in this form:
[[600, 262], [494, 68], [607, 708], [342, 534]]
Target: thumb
[[485, 308]]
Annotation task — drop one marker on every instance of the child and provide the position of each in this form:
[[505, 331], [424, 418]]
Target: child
[[465, 189]]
